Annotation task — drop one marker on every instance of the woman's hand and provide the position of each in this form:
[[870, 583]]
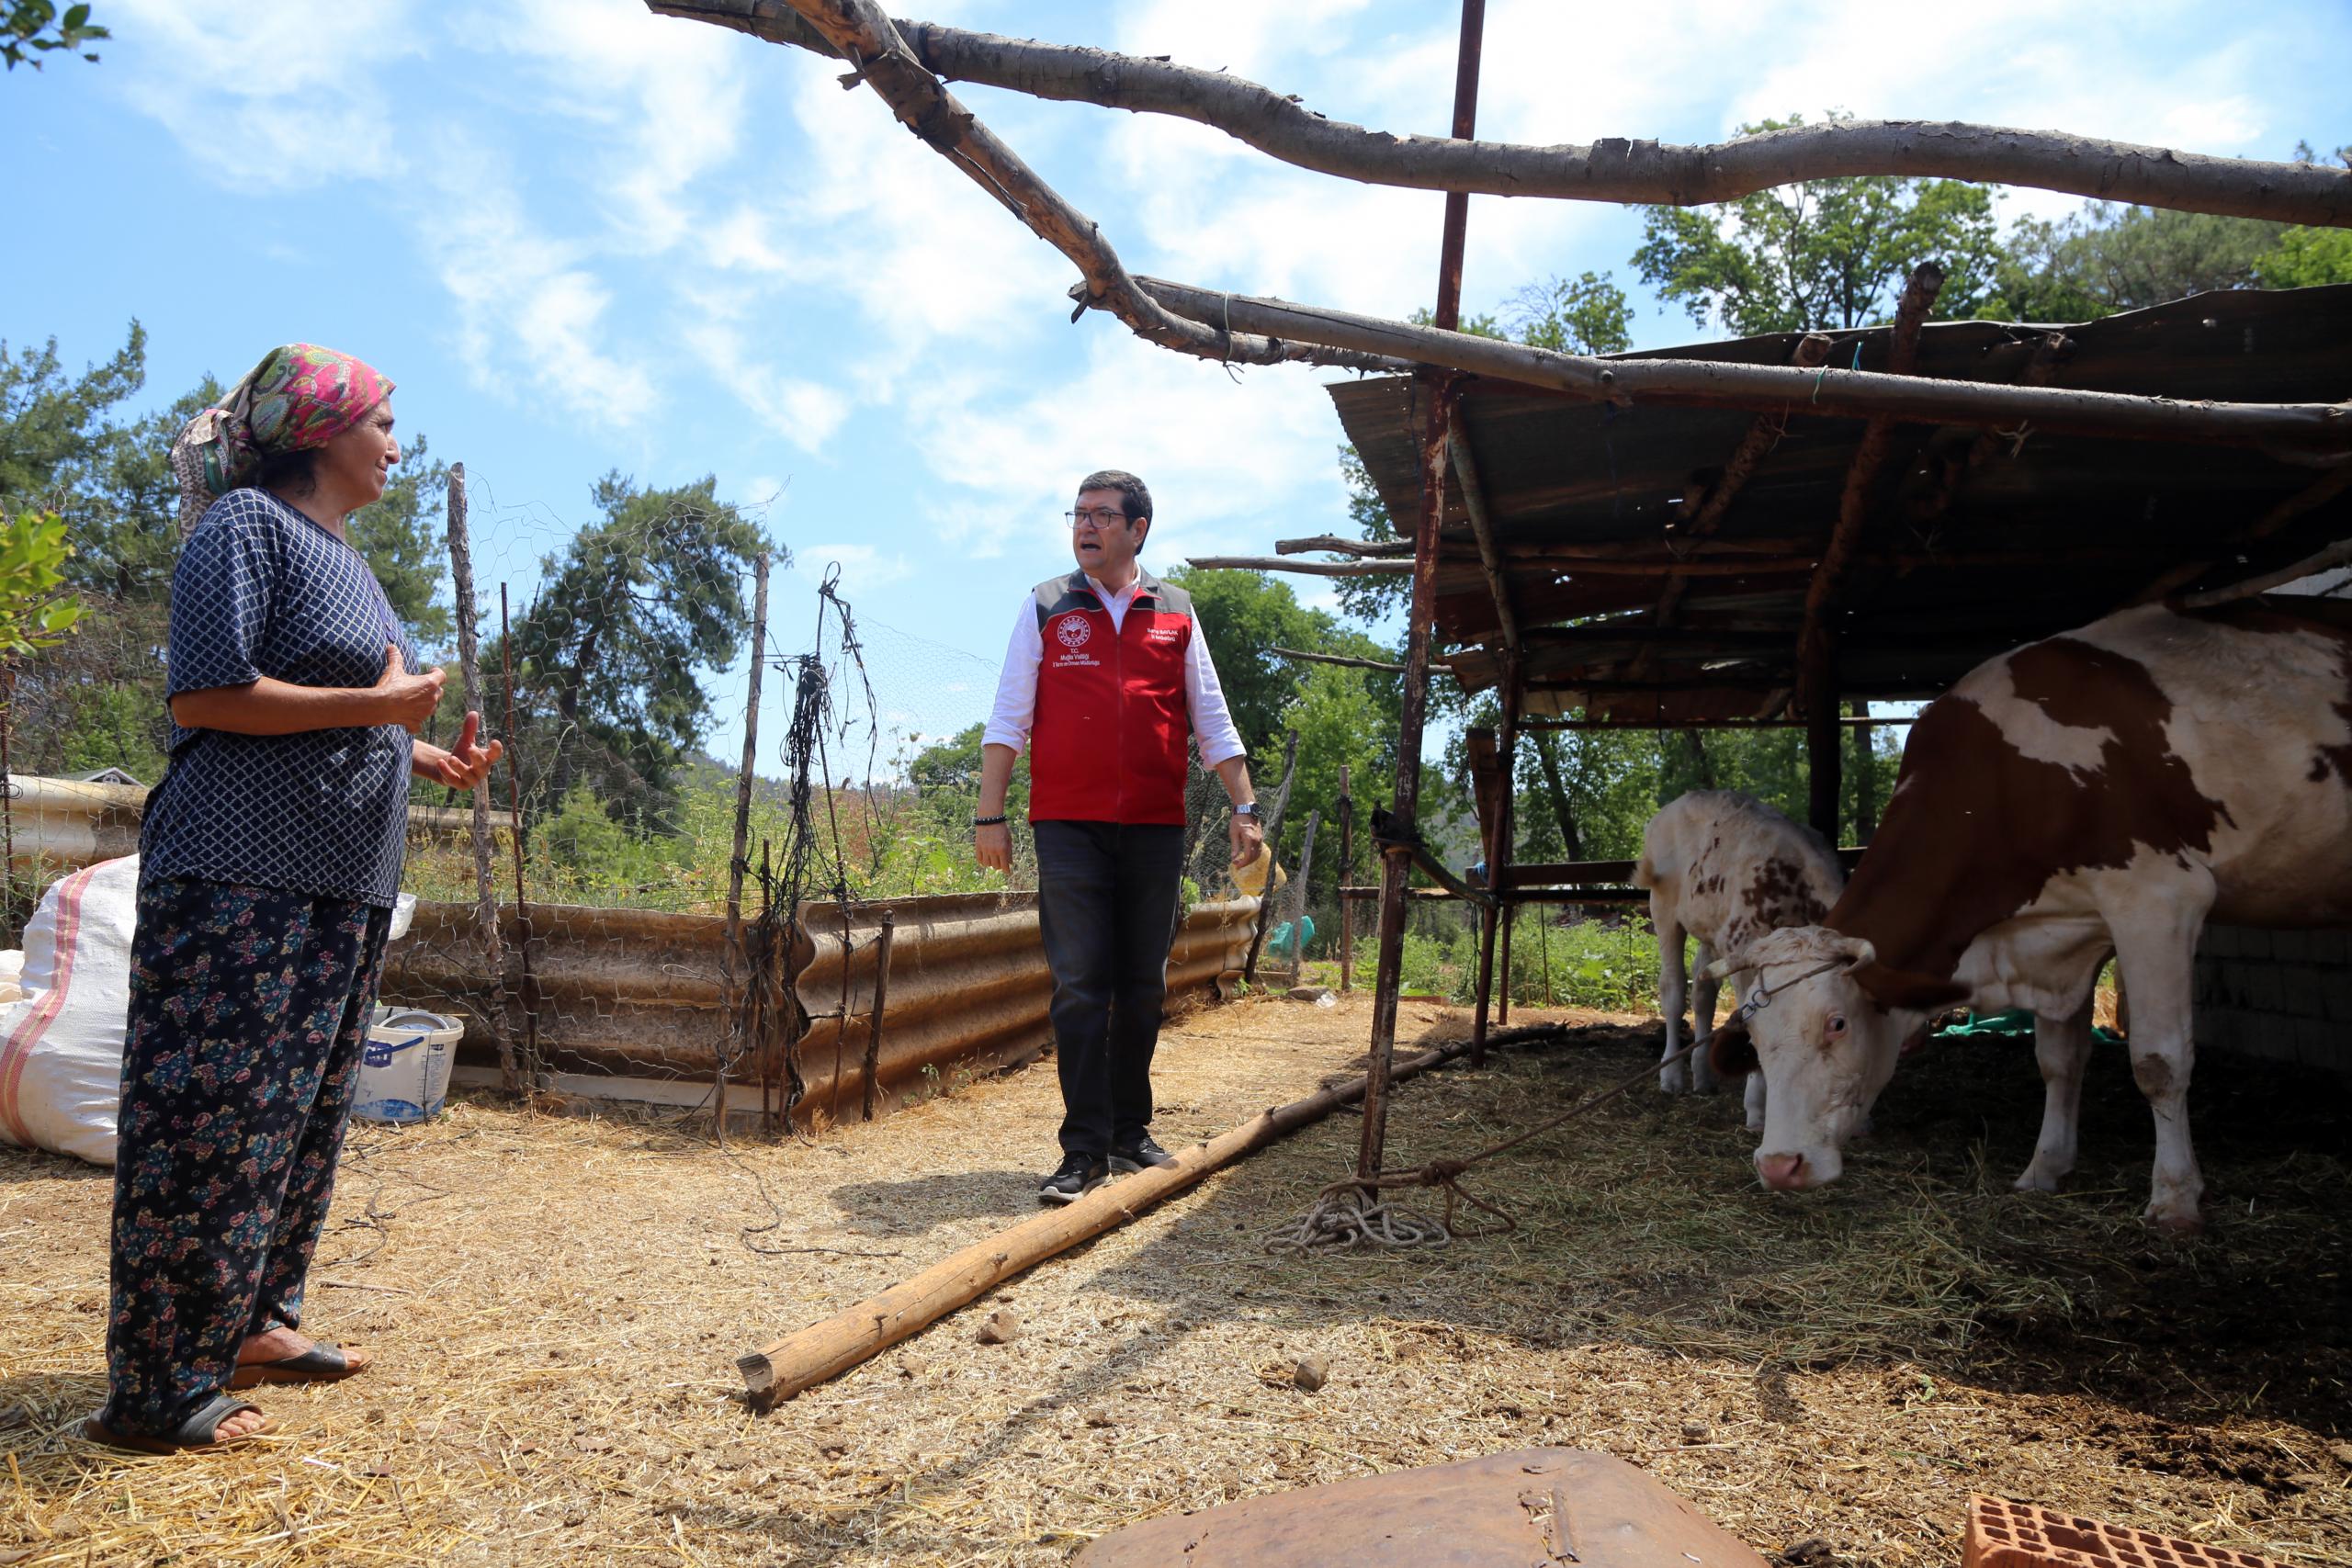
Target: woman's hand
[[462, 768], [408, 700]]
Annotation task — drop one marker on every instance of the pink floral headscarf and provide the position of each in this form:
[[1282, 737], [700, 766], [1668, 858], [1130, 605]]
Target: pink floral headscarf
[[298, 397]]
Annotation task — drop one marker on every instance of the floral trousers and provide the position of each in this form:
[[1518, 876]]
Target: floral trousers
[[248, 1009]]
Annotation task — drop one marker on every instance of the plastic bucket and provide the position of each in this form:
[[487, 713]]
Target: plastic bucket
[[404, 1066]]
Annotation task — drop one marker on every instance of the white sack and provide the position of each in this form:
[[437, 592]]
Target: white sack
[[61, 1044]]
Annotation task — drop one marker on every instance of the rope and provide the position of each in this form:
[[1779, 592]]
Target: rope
[[1342, 1218]]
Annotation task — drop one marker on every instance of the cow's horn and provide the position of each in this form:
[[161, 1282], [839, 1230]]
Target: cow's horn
[[1859, 952], [1731, 963]]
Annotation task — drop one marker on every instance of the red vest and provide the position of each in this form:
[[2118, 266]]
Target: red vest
[[1107, 742]]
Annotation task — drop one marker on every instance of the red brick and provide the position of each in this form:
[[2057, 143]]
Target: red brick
[[2019, 1535]]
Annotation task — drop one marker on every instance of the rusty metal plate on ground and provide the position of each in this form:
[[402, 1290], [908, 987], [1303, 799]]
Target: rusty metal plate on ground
[[1530, 1508]]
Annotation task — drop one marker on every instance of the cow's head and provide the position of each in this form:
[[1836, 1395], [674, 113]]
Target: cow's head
[[1825, 1042]]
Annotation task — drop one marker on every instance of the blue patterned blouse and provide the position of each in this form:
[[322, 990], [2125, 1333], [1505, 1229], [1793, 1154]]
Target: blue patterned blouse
[[261, 590]]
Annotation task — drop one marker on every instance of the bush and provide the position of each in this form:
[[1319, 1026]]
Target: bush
[[1581, 964]]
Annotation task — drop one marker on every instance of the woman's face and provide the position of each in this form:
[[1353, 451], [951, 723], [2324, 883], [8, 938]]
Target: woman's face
[[354, 467]]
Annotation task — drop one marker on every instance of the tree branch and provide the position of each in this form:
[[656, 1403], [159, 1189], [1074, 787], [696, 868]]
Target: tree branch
[[2318, 428], [1613, 169], [859, 32], [1305, 568]]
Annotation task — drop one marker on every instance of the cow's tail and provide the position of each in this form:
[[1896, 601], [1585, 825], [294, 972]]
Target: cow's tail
[[1645, 874]]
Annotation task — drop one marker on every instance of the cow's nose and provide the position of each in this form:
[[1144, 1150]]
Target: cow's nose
[[1783, 1173]]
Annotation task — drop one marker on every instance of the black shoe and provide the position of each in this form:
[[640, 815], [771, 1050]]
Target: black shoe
[[1141, 1154], [1078, 1175]]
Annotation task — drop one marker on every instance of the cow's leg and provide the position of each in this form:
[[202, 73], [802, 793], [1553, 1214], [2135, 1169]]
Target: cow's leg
[[2063, 1047], [1673, 1077], [2155, 946], [1703, 991]]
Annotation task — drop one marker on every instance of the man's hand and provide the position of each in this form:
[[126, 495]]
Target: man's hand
[[463, 767], [1247, 837], [992, 846], [407, 700]]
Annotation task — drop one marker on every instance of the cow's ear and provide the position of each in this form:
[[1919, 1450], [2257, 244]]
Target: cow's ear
[[1902, 988], [1731, 1051], [1916, 1041]]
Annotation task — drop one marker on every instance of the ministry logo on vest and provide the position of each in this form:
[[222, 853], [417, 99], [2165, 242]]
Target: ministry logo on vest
[[1073, 631]]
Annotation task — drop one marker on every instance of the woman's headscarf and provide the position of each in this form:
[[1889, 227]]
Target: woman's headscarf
[[298, 397]]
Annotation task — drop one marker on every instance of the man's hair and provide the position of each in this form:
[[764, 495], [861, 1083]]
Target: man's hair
[[1134, 499]]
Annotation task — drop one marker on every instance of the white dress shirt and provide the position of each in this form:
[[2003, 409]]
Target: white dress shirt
[[1016, 687]]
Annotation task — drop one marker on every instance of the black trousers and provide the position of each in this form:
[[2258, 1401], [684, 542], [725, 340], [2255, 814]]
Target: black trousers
[[1107, 907]]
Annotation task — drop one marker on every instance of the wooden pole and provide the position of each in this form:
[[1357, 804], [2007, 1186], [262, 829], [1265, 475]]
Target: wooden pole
[[736, 862], [807, 1357], [1273, 860], [1420, 620], [1347, 870], [881, 1004], [1502, 1006], [493, 941]]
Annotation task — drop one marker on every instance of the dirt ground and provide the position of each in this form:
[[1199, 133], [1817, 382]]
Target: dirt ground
[[555, 1304]]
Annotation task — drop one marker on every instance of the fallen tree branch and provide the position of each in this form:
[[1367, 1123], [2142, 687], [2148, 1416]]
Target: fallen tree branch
[[2316, 428], [1613, 169], [855, 1334]]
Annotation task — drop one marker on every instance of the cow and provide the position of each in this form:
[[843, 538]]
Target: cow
[[1725, 868], [2104, 792]]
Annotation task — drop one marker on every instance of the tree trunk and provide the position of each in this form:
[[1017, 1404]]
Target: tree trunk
[[1547, 753]]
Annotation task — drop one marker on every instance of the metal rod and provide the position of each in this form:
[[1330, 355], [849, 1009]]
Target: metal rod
[[1273, 858], [1346, 869], [527, 992], [881, 1002]]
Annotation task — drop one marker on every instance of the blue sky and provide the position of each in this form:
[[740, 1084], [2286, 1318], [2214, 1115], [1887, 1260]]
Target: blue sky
[[584, 238]]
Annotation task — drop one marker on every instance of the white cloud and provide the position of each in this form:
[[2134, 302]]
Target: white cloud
[[863, 567], [272, 95]]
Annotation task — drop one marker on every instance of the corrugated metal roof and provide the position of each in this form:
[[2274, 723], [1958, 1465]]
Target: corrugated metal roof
[[1957, 562]]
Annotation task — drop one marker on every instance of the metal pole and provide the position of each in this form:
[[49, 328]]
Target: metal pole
[[493, 941], [881, 1001], [1347, 870], [1414, 710], [1273, 834], [736, 864], [528, 997]]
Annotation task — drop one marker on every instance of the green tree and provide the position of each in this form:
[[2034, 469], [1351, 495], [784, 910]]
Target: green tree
[[1247, 616], [2306, 258], [35, 612], [607, 656], [30, 29], [1586, 314], [1820, 253]]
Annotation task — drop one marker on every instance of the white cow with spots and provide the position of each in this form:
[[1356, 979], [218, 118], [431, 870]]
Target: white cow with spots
[[1726, 869], [2108, 790]]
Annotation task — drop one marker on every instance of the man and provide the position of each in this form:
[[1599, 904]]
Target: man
[[1106, 677]]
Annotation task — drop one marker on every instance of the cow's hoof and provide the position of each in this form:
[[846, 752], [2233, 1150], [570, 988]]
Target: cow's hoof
[[2034, 1180], [1673, 1081], [2175, 1221]]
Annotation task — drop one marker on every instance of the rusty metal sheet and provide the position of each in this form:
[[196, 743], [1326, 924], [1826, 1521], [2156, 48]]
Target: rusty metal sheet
[[1530, 1508]]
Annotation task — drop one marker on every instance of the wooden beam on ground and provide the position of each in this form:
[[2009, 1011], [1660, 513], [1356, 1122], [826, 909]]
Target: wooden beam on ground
[[1612, 169], [825, 1350]]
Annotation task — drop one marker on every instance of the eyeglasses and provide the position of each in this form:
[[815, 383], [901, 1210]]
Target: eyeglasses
[[1102, 518]]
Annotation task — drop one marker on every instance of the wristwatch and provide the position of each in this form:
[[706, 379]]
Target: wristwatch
[[1246, 808]]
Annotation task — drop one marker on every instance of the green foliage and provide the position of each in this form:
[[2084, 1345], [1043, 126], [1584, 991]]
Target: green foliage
[[1246, 615], [30, 29], [1586, 314], [608, 656], [35, 610], [2106, 258], [1829, 252], [113, 726], [1581, 964], [2306, 258]]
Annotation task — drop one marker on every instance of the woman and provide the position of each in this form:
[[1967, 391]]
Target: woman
[[270, 858]]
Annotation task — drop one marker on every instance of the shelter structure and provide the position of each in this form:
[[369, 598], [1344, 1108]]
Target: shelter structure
[[1732, 533]]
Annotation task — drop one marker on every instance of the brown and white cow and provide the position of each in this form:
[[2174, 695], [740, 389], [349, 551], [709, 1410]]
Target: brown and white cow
[[1725, 868], [2107, 790]]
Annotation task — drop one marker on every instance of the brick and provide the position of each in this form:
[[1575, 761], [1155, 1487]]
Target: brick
[[2254, 944], [2019, 1535], [2220, 942], [2301, 994], [2333, 948], [2290, 945], [2336, 989], [2264, 993]]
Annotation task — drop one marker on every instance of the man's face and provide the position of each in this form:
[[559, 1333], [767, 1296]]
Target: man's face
[[1104, 540]]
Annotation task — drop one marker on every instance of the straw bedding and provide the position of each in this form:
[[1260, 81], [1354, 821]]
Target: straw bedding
[[555, 1304]]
